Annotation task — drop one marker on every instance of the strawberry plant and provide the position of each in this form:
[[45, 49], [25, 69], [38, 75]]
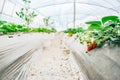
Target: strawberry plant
[[101, 33], [6, 27], [74, 30], [94, 25], [43, 30]]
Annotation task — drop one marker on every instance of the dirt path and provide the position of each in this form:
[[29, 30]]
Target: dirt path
[[55, 63]]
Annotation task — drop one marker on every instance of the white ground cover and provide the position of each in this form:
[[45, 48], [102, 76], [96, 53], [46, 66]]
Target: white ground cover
[[37, 56]]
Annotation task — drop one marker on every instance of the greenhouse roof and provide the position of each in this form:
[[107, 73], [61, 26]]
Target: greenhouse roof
[[66, 11]]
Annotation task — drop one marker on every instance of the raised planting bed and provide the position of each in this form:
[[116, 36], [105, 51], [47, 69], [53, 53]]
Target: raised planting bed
[[99, 64]]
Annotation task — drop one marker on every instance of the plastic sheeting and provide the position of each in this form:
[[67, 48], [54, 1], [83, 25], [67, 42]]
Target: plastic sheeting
[[98, 64], [62, 10], [37, 57], [16, 55]]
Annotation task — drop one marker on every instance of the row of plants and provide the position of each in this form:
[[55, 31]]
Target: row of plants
[[28, 15], [99, 33], [6, 28], [72, 31], [43, 30]]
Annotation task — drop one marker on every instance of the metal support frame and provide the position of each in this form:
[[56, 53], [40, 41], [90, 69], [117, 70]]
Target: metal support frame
[[74, 14], [3, 6]]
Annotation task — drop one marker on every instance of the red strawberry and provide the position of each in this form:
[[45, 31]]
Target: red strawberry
[[89, 48], [94, 45]]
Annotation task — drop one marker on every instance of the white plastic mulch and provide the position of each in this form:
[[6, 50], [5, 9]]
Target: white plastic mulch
[[52, 61]]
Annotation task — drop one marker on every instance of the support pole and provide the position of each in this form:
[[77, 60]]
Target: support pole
[[74, 15], [3, 6]]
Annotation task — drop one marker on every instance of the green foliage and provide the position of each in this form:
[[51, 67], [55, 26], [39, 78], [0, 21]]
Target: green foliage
[[43, 30], [2, 22], [109, 34], [6, 28], [25, 29], [94, 22], [26, 14], [27, 1], [112, 18], [47, 21], [10, 27], [53, 30], [94, 25], [74, 30]]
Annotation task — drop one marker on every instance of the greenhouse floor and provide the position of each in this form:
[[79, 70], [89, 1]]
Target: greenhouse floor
[[37, 56]]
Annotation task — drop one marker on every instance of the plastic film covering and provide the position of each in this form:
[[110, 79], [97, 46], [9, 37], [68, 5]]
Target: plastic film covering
[[62, 11]]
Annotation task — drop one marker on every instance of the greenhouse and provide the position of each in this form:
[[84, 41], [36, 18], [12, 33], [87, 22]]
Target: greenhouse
[[60, 40]]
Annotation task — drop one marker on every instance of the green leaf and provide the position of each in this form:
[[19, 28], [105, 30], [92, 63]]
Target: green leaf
[[94, 22], [108, 18], [17, 13]]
